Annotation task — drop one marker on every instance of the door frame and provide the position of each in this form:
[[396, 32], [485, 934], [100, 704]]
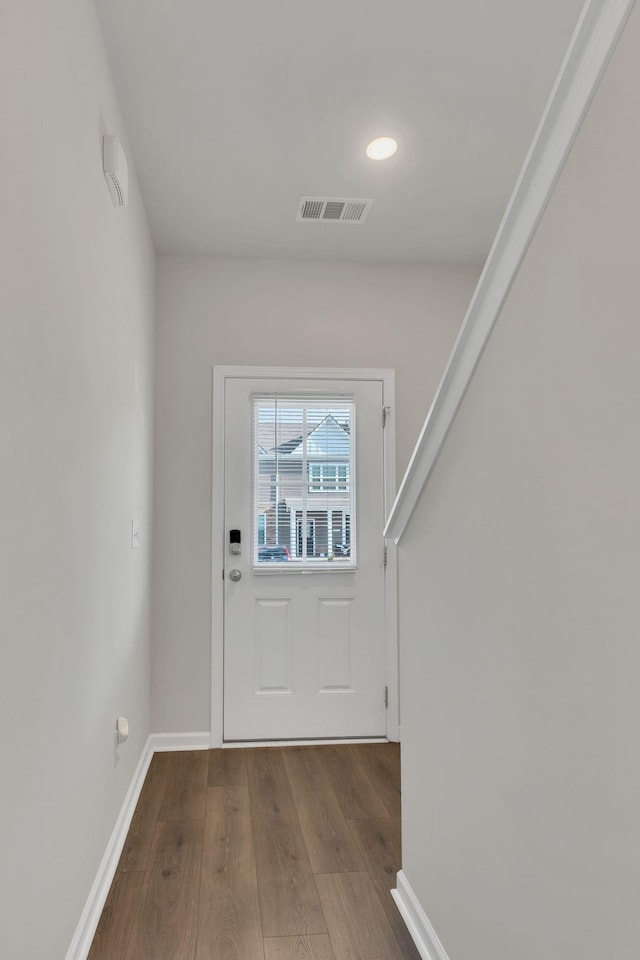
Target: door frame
[[220, 375]]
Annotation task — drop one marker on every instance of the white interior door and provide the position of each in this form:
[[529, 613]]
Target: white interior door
[[304, 598]]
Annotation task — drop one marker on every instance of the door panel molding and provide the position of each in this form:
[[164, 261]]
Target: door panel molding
[[220, 375]]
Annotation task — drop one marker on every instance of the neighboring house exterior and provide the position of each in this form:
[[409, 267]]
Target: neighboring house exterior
[[305, 492]]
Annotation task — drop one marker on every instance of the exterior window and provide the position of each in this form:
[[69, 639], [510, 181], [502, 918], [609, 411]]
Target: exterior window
[[328, 476]]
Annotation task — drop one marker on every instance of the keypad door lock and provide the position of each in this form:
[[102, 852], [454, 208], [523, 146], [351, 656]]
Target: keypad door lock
[[235, 543]]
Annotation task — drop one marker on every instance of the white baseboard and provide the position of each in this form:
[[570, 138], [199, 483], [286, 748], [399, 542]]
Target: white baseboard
[[248, 744], [156, 743], [83, 937], [161, 742], [418, 925]]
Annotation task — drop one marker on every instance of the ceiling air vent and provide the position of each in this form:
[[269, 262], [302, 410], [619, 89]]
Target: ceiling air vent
[[333, 209]]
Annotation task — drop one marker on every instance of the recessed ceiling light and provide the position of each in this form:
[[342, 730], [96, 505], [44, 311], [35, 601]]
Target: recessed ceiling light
[[382, 148]]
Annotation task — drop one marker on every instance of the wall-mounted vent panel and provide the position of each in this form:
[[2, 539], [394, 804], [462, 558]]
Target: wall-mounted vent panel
[[333, 209]]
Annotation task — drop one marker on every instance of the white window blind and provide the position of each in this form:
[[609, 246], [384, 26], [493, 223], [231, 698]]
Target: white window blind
[[304, 482]]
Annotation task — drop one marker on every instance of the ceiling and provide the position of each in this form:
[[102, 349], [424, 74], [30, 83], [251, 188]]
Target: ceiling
[[236, 108]]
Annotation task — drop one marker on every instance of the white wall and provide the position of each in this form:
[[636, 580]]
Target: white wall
[[520, 608], [76, 295], [279, 313]]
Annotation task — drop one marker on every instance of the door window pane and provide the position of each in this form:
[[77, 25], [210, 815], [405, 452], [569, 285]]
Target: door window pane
[[304, 489]]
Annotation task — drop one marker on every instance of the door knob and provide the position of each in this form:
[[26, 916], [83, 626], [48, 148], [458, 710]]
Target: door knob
[[235, 575]]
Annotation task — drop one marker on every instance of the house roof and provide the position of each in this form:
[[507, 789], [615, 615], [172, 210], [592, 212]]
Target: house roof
[[328, 439]]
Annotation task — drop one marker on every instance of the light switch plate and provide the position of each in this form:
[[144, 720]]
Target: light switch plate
[[135, 534]]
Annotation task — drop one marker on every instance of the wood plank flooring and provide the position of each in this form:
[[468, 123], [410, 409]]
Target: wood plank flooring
[[278, 853]]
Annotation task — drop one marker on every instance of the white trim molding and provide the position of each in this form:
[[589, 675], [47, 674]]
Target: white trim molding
[[424, 936], [220, 375], [87, 925], [249, 744], [162, 742], [594, 40]]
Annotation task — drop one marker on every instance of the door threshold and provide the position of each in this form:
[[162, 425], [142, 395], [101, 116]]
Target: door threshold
[[307, 742]]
